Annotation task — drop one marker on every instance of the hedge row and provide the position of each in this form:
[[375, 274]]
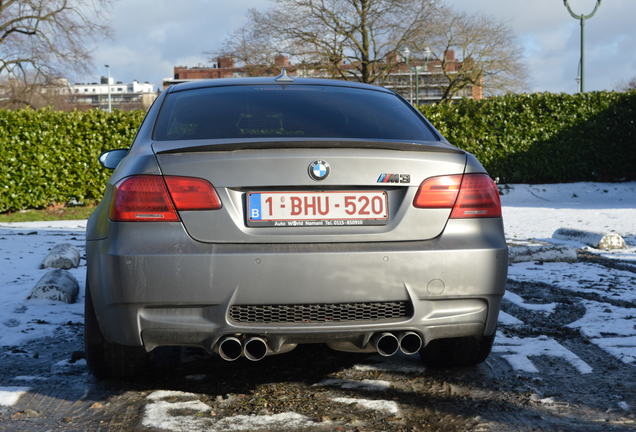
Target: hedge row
[[49, 157], [541, 138]]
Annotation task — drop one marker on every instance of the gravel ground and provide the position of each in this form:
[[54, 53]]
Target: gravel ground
[[314, 388]]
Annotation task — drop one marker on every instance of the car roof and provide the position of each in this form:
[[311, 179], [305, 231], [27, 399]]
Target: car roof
[[221, 82]]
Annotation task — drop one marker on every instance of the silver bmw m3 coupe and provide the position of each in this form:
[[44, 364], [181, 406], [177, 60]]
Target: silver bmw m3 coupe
[[253, 215]]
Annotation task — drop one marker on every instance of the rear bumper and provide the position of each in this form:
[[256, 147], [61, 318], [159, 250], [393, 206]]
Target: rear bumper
[[150, 294]]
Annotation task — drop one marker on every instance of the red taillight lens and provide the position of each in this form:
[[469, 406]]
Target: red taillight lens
[[470, 195], [478, 198], [438, 192], [142, 198], [155, 198], [190, 193]]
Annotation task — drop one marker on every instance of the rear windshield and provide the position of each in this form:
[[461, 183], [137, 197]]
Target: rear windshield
[[288, 111]]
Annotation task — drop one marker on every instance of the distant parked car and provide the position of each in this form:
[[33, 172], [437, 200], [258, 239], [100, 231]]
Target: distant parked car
[[252, 215]]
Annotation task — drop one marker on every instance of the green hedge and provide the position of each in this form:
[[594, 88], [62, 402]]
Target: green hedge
[[51, 157], [540, 138]]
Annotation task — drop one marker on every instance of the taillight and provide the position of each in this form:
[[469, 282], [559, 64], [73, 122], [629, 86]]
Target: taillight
[[191, 193], [478, 198], [147, 198], [470, 195], [438, 192]]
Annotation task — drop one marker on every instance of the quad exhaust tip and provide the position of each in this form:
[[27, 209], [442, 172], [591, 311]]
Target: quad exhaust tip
[[386, 344], [255, 348], [410, 342], [229, 348]]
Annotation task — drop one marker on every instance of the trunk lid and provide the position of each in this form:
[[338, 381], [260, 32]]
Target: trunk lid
[[239, 167]]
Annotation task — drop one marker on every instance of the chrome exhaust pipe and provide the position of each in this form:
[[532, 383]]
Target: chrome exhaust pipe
[[386, 344], [229, 348], [255, 348], [410, 342]]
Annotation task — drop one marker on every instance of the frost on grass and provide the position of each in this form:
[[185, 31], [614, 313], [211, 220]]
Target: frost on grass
[[365, 384], [167, 407], [10, 395], [389, 407], [517, 352], [536, 307]]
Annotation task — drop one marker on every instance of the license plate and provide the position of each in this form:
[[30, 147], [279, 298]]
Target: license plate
[[325, 208]]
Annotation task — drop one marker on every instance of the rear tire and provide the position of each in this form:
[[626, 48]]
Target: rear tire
[[466, 351], [106, 359]]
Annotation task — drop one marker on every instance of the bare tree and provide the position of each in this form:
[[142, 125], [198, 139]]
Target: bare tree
[[489, 55], [361, 40], [628, 86], [350, 39], [40, 39]]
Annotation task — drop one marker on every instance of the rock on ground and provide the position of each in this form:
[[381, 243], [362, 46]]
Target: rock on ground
[[58, 285], [610, 240], [62, 256]]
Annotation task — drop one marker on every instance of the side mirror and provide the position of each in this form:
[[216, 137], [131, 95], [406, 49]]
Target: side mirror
[[111, 158]]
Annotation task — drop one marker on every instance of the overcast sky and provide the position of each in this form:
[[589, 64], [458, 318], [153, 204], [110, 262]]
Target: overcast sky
[[152, 36]]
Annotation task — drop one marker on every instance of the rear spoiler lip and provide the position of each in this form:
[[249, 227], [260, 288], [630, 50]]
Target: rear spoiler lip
[[162, 147]]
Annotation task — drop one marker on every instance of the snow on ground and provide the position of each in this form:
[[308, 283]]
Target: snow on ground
[[518, 350], [389, 407], [10, 395], [21, 252], [536, 211], [162, 413], [547, 308], [579, 277]]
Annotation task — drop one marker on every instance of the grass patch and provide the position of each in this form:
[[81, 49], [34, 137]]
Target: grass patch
[[54, 212]]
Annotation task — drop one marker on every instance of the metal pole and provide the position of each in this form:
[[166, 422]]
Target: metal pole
[[582, 88], [417, 87], [581, 19], [110, 107], [408, 68]]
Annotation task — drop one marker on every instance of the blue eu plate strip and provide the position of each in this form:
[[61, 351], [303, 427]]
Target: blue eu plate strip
[[255, 206]]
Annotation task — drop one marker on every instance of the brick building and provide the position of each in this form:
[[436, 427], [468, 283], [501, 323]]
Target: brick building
[[422, 80]]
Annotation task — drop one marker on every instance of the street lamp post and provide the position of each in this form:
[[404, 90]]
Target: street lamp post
[[581, 19], [406, 53], [427, 54], [110, 108]]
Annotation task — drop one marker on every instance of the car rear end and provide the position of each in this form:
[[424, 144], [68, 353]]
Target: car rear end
[[252, 216]]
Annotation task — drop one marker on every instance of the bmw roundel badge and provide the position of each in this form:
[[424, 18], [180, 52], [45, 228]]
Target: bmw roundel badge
[[319, 170]]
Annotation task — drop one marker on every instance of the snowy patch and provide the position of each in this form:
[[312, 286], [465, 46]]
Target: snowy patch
[[603, 319], [392, 366], [21, 253], [160, 414], [182, 416], [517, 352], [366, 384], [579, 277], [623, 348], [536, 307], [29, 378], [541, 252], [68, 367], [389, 407], [623, 405], [508, 320], [59, 225], [291, 420], [10, 395], [536, 211]]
